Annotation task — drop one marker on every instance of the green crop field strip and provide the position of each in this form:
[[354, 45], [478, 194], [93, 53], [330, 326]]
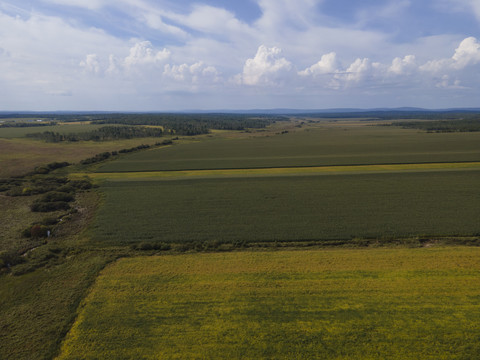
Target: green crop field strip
[[318, 146], [328, 304], [290, 208]]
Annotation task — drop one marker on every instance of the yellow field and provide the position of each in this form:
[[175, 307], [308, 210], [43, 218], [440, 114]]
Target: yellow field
[[392, 303], [317, 170]]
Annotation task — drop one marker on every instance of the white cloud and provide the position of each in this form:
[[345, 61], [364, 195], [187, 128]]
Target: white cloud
[[326, 65], [267, 67], [447, 83], [91, 64], [403, 66], [209, 19], [155, 21], [467, 53], [142, 53], [357, 70], [194, 73]]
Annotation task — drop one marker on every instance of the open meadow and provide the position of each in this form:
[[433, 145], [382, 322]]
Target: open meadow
[[305, 304]]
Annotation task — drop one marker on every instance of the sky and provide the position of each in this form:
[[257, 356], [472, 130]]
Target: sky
[[180, 55]]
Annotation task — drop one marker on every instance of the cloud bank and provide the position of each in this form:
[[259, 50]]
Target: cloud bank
[[159, 55]]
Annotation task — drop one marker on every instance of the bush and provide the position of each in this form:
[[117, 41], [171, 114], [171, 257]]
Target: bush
[[144, 246], [39, 206], [10, 258], [38, 231], [55, 196], [81, 184]]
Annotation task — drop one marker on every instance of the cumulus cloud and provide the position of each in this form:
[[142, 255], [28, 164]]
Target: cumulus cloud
[[357, 70], [403, 66], [467, 53], [326, 65], [91, 64], [192, 73], [142, 53], [267, 67], [166, 47]]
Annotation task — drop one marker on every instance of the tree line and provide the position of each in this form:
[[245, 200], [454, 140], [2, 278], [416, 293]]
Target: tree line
[[462, 125], [104, 133]]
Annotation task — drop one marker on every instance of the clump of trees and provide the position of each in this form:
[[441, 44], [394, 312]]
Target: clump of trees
[[53, 201], [57, 192]]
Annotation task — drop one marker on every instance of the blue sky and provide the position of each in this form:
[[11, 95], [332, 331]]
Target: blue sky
[[167, 55]]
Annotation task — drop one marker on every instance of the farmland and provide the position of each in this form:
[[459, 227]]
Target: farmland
[[328, 304], [290, 208], [317, 145], [274, 188], [224, 200]]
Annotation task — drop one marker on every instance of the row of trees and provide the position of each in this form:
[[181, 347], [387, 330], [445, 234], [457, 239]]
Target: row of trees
[[186, 124], [104, 133], [19, 124], [463, 125]]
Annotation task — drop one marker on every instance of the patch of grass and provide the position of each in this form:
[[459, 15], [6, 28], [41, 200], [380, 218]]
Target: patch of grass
[[299, 208], [329, 304], [38, 308], [20, 156]]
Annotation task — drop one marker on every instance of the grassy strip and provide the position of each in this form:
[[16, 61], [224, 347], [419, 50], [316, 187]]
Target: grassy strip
[[329, 304], [313, 170]]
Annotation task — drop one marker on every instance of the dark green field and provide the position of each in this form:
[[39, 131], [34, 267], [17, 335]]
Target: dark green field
[[295, 208], [324, 144]]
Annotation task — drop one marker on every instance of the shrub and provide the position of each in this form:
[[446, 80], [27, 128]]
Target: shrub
[[10, 258], [81, 184], [151, 246], [38, 231], [39, 206], [55, 196]]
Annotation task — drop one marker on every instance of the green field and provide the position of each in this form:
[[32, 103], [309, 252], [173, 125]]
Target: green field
[[324, 144], [327, 304], [290, 208]]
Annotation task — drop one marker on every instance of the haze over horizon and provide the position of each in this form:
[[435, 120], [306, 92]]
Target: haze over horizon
[[177, 55]]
